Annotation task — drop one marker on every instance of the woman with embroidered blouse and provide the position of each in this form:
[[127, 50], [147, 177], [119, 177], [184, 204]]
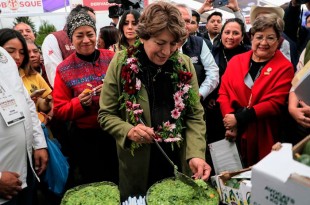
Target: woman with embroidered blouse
[[151, 93], [254, 91], [78, 82]]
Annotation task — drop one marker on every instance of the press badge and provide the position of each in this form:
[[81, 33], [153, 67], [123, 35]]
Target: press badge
[[11, 112]]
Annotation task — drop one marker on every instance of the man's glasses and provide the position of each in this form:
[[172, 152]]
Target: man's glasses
[[268, 39]]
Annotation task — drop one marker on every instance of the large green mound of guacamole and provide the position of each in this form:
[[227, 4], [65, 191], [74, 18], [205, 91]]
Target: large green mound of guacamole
[[97, 193], [172, 191]]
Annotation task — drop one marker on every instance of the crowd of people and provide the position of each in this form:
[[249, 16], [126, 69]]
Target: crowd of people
[[151, 76]]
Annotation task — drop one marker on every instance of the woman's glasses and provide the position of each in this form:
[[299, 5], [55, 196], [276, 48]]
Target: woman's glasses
[[268, 39]]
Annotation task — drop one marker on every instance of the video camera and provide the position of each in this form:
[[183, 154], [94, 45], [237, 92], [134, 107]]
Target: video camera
[[116, 10], [302, 1]]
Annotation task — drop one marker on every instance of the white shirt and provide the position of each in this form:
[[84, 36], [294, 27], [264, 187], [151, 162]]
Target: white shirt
[[285, 49], [52, 57], [300, 63], [18, 141], [211, 70]]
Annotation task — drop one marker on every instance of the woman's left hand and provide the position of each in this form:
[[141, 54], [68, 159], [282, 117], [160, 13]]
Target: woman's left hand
[[231, 134], [200, 168], [85, 99], [229, 121]]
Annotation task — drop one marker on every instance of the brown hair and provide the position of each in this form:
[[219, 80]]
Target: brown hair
[[110, 35], [122, 21], [160, 16], [265, 21]]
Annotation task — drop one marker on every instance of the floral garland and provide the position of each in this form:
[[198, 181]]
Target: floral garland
[[184, 96]]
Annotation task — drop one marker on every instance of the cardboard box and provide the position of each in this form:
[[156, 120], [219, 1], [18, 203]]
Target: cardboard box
[[230, 195], [278, 179]]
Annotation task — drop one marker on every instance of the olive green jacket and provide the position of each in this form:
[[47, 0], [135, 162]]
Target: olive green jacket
[[133, 170]]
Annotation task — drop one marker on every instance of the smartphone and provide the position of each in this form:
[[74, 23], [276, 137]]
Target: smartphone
[[37, 93], [219, 3]]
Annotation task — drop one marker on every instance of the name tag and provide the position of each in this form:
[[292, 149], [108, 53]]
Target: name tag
[[10, 110]]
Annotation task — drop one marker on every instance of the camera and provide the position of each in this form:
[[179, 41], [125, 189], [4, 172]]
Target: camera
[[115, 1], [302, 1], [219, 3], [116, 11]]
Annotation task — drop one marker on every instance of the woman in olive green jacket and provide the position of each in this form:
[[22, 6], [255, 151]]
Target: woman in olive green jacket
[[150, 93]]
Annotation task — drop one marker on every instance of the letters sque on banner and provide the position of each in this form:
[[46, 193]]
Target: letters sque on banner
[[21, 6]]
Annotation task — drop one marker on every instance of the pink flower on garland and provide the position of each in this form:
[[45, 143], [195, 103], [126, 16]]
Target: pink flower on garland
[[175, 113], [128, 106], [177, 98], [186, 88], [173, 139], [138, 84], [180, 106], [169, 126], [131, 61], [134, 68]]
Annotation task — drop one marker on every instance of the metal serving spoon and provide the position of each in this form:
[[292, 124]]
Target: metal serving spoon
[[179, 175]]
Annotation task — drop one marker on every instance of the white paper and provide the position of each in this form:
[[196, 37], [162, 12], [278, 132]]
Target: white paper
[[225, 156], [302, 88]]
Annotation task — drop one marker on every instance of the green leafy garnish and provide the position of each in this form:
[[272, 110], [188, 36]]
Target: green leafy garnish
[[174, 192], [98, 193]]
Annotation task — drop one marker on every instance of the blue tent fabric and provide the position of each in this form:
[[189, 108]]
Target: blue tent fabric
[[52, 5]]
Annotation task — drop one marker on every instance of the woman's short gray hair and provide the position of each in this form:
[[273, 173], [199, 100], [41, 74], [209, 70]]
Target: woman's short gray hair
[[160, 16], [265, 21]]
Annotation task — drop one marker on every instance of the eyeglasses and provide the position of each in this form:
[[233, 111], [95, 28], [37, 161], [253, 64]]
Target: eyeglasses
[[268, 39]]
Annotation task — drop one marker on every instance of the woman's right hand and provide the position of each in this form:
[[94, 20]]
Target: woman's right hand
[[141, 134], [302, 114], [85, 98]]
